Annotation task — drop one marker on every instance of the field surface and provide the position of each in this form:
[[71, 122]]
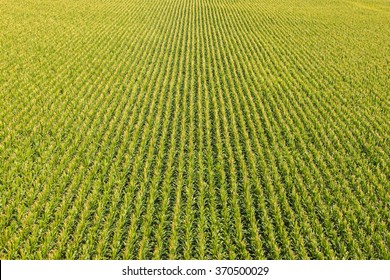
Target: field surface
[[204, 129]]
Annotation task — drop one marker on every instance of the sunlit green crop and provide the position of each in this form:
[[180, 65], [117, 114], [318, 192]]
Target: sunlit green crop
[[194, 129]]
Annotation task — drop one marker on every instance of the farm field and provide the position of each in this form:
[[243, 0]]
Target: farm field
[[194, 129]]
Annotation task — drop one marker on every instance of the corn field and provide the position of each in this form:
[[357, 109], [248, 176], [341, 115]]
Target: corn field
[[195, 129]]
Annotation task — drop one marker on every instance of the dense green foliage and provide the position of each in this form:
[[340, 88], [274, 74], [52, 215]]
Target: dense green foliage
[[207, 129]]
